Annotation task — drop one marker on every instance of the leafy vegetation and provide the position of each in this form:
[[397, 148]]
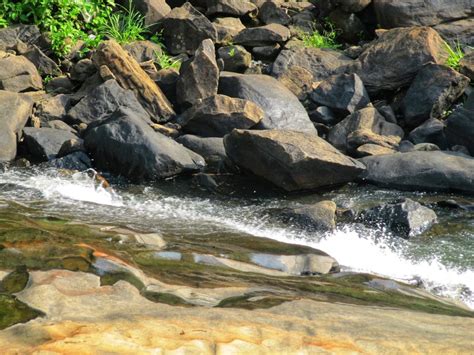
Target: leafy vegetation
[[164, 61], [454, 55], [324, 39], [126, 25], [3, 22]]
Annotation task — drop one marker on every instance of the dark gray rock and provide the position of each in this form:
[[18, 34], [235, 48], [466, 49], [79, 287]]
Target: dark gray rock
[[83, 70], [406, 218], [430, 171], [320, 216], [43, 144], [343, 92], [75, 161], [184, 29], [126, 145], [460, 31], [432, 131], [282, 109], [354, 5], [15, 109], [460, 127], [235, 8], [104, 100], [198, 77], [350, 27], [44, 64], [227, 28], [291, 160], [143, 51], [433, 91], [218, 115], [236, 58], [263, 35], [272, 12], [28, 34]]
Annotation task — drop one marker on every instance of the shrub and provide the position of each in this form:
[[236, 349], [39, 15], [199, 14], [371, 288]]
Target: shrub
[[326, 39]]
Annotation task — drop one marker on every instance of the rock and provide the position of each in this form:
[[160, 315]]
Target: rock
[[53, 108], [18, 74], [131, 76], [306, 264], [320, 216], [42, 62], [227, 28], [198, 77], [103, 101], [15, 281], [321, 62], [218, 115], [430, 171], [299, 81], [457, 31], [28, 34], [425, 147], [370, 149], [323, 115], [71, 146], [60, 85], [432, 131], [263, 35], [75, 161], [291, 160], [44, 143], [266, 52], [467, 65], [143, 51], [354, 5], [460, 127], [349, 26], [211, 149], [15, 109], [434, 90], [165, 130], [152, 10], [368, 120], [282, 109], [57, 124], [420, 12], [124, 144], [406, 218], [394, 59], [236, 58], [271, 12], [237, 8], [343, 92], [184, 29], [82, 70]]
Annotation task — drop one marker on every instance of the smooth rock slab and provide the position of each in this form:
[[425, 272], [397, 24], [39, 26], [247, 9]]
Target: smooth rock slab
[[431, 171], [291, 160]]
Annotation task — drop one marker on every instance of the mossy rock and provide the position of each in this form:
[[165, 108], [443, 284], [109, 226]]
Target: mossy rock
[[13, 311]]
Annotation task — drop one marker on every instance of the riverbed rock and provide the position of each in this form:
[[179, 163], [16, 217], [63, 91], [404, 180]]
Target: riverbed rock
[[299, 81], [15, 109], [263, 35], [432, 131], [344, 93], [236, 8], [126, 145], [18, 74], [28, 34], [407, 218], [467, 65], [273, 12], [434, 90], [53, 108], [321, 62], [236, 58], [44, 64], [282, 109], [131, 76], [393, 60], [291, 160], [218, 115], [152, 10], [320, 216], [427, 171], [210, 148], [198, 77], [227, 28], [45, 143], [460, 126], [103, 101], [76, 161], [143, 51], [369, 123], [184, 29]]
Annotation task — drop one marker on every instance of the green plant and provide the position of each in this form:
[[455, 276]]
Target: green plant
[[232, 51], [126, 25], [164, 61], [454, 55], [326, 39], [3, 22]]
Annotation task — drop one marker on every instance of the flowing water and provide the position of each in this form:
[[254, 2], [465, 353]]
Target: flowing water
[[441, 260]]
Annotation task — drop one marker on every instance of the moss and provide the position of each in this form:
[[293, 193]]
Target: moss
[[112, 278], [246, 302], [13, 311], [15, 281], [167, 298]]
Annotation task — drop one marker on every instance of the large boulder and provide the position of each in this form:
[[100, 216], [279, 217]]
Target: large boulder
[[321, 62], [15, 109], [130, 75], [128, 146], [394, 59], [235, 8], [103, 101], [431, 131], [263, 35], [282, 108], [434, 90], [407, 218], [18, 74], [210, 148], [344, 135], [28, 34], [198, 77], [406, 13], [291, 160], [218, 115], [184, 29], [431, 171], [45, 143], [461, 31]]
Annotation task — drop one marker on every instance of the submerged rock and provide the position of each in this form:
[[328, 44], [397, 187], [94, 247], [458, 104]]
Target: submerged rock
[[291, 160]]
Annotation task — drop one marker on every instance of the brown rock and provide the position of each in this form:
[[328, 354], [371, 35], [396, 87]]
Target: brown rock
[[18, 74], [131, 76]]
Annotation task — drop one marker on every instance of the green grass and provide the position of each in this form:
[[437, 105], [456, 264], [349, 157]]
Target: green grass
[[3, 21], [164, 61], [454, 55], [316, 39], [126, 25]]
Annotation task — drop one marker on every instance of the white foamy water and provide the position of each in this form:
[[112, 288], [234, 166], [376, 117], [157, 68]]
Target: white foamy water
[[355, 249]]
